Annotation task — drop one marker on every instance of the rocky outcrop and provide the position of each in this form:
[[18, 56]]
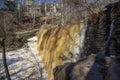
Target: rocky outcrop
[[60, 45], [95, 35], [115, 41], [74, 71], [99, 28], [95, 43], [94, 67]]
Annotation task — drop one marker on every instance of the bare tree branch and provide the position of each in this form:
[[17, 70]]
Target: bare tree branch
[[2, 43]]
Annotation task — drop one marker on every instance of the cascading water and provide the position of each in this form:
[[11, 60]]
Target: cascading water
[[82, 39], [106, 49]]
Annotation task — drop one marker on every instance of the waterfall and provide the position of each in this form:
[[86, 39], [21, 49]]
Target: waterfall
[[109, 37], [82, 39]]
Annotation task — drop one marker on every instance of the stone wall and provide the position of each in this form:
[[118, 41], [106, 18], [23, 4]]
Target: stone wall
[[99, 28], [115, 40], [95, 35]]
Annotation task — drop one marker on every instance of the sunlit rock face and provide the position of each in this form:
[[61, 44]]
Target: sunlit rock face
[[60, 45]]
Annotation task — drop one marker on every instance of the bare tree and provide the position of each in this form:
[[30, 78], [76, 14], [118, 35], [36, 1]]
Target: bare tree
[[2, 43], [19, 10], [10, 5], [34, 13], [45, 10], [74, 10]]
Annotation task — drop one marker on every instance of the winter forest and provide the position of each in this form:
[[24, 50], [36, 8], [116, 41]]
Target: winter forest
[[59, 40]]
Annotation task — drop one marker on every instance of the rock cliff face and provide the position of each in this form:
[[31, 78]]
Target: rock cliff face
[[61, 45], [98, 31], [95, 35], [115, 40]]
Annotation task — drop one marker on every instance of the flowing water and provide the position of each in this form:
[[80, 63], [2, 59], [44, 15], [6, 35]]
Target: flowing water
[[107, 44], [82, 39]]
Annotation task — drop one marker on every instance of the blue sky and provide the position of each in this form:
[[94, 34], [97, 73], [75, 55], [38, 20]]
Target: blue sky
[[1, 2]]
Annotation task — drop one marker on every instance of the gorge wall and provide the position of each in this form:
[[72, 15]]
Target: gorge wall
[[66, 51], [61, 45], [96, 67], [99, 28]]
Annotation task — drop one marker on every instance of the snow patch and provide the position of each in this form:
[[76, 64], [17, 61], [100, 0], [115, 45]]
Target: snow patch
[[24, 63]]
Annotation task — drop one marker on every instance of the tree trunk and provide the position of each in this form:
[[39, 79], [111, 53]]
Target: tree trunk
[[2, 43], [4, 60]]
